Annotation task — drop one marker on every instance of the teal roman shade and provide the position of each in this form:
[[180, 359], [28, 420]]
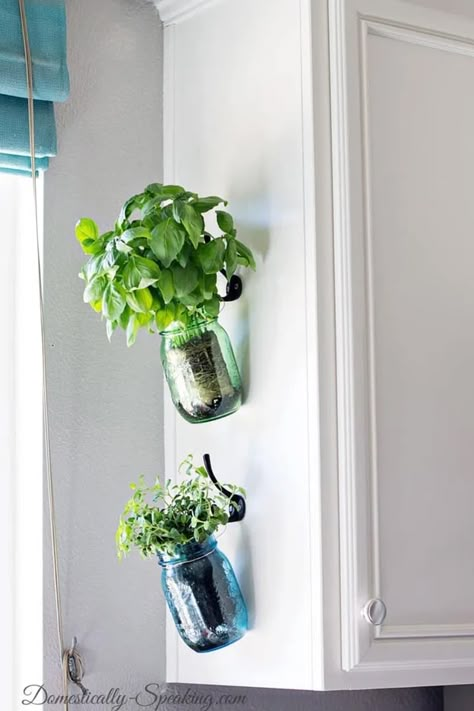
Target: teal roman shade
[[47, 35]]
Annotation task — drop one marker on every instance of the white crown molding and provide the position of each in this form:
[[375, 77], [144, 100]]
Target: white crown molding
[[172, 11]]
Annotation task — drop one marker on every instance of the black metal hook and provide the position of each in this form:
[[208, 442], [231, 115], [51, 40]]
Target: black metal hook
[[233, 289], [237, 506], [75, 667]]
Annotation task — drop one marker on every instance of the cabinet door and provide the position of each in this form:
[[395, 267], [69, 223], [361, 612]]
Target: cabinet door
[[402, 78]]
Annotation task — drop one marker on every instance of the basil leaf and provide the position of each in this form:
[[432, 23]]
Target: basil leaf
[[94, 290], [245, 253], [207, 203], [167, 240], [230, 258], [87, 233], [135, 233], [211, 256], [165, 317], [212, 307], [133, 327], [209, 285], [113, 301], [169, 190], [140, 300], [110, 327], [132, 204], [166, 286], [124, 317], [185, 254], [185, 279], [154, 188], [225, 221], [192, 300], [191, 220], [149, 271], [131, 275], [93, 267]]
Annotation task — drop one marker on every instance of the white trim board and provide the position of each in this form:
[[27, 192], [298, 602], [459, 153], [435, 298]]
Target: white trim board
[[172, 11]]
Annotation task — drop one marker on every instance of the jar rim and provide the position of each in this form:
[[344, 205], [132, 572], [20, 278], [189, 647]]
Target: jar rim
[[183, 553], [190, 327]]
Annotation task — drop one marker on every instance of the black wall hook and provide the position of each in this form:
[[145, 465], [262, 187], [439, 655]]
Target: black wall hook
[[237, 506], [233, 289]]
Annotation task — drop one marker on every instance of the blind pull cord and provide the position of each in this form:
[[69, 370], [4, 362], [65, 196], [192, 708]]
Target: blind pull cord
[[70, 659]]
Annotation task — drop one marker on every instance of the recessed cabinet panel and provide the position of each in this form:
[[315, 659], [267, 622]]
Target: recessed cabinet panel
[[404, 220], [422, 301]]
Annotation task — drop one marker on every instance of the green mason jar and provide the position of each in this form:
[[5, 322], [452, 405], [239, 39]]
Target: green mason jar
[[201, 371]]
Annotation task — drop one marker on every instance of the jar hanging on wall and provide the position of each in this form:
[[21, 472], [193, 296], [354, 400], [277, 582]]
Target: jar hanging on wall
[[201, 371], [203, 596]]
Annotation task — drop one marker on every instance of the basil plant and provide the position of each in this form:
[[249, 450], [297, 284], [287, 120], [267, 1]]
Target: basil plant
[[159, 264]]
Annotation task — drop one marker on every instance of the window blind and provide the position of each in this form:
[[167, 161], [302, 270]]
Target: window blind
[[47, 32]]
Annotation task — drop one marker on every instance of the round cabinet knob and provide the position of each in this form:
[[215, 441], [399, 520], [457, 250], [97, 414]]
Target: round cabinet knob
[[374, 611]]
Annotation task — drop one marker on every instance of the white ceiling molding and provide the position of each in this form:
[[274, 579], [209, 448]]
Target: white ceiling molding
[[172, 11]]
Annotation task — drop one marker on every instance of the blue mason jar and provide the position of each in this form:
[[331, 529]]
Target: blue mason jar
[[203, 596]]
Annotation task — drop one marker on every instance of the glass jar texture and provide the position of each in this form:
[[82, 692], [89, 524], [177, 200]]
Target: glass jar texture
[[203, 596], [201, 371]]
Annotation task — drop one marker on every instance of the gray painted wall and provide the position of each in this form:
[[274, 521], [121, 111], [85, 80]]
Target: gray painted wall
[[105, 400]]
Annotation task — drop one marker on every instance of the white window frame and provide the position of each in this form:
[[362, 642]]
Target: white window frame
[[21, 446]]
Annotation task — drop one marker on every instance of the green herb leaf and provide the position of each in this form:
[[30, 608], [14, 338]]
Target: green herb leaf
[[207, 203], [209, 285], [225, 221], [94, 290], [149, 271], [86, 229], [246, 254], [159, 518], [193, 300], [87, 234], [168, 190], [132, 329], [212, 307], [152, 210], [211, 256], [166, 286], [135, 233], [185, 279], [230, 257], [191, 220], [140, 300], [92, 268], [161, 252], [165, 317], [132, 204], [154, 188], [124, 317], [167, 240], [185, 254], [110, 327], [113, 301], [131, 275], [111, 258]]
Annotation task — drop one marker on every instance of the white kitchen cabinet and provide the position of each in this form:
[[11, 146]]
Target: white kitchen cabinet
[[342, 135]]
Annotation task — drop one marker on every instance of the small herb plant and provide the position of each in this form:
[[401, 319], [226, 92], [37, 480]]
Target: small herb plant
[[159, 264], [159, 518]]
